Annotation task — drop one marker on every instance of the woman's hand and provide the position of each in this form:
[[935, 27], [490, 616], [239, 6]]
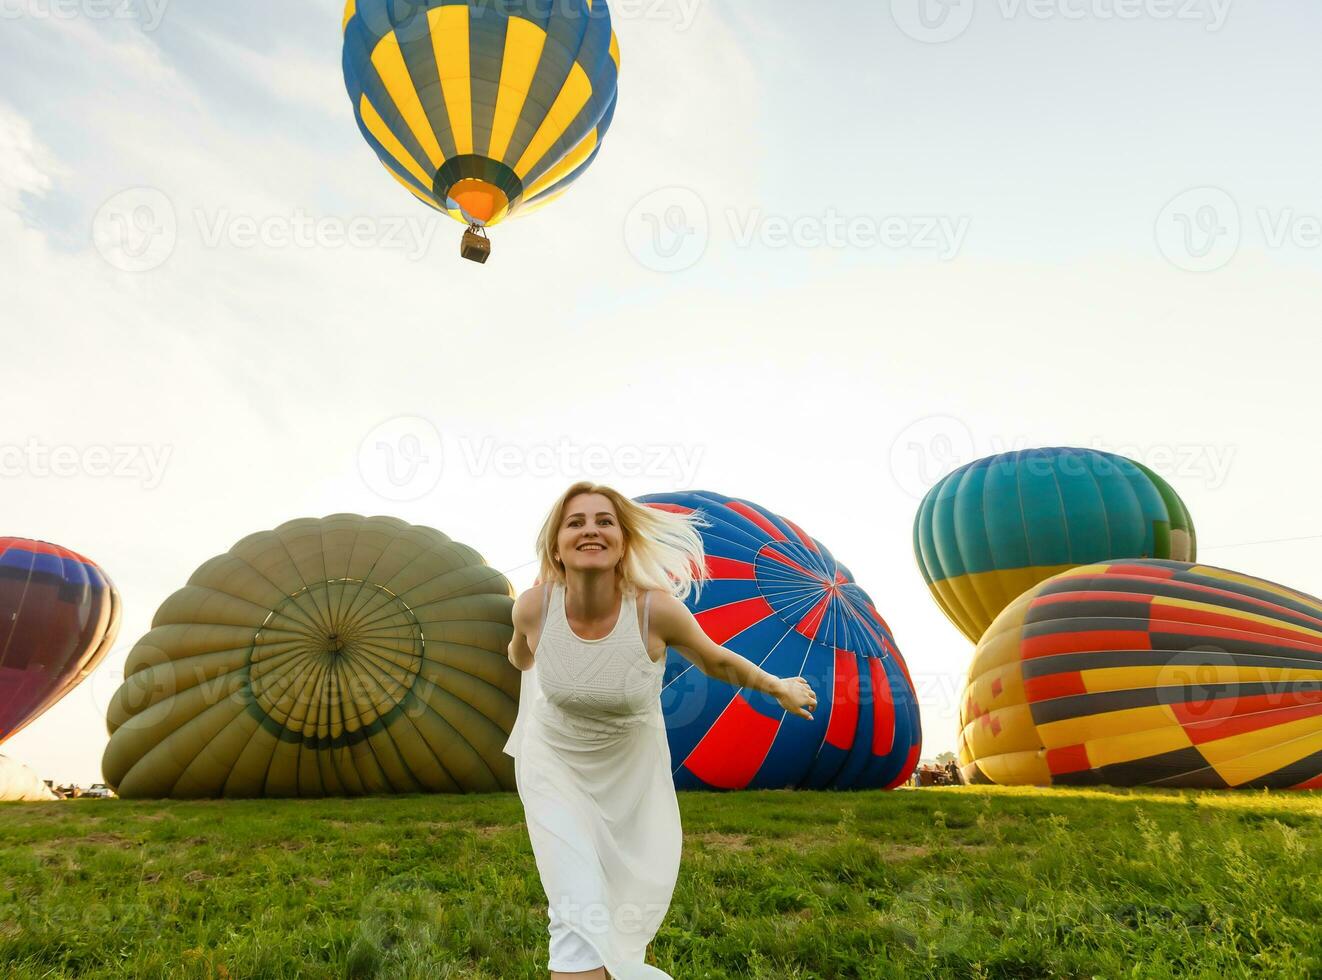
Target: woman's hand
[[796, 696]]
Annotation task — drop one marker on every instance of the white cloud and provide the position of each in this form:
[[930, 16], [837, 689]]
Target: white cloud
[[24, 163]]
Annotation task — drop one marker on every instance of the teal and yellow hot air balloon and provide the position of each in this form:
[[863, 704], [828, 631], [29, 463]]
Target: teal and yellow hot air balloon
[[995, 528], [482, 110]]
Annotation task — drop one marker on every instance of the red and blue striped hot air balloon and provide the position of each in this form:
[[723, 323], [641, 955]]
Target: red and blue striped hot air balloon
[[779, 598], [59, 615]]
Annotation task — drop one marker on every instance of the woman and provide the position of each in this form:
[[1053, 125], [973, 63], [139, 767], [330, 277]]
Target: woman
[[592, 762]]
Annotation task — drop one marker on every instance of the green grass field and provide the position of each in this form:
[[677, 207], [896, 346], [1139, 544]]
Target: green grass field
[[969, 882]]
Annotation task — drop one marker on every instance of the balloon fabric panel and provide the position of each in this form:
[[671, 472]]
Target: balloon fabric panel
[[996, 527], [340, 656], [59, 617], [481, 109], [1149, 673], [779, 598]]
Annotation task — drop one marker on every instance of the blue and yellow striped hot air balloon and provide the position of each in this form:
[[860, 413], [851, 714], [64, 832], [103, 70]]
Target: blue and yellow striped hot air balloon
[[482, 109], [995, 528]]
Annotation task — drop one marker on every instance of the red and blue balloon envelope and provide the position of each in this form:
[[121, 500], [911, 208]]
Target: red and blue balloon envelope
[[779, 598], [59, 615]]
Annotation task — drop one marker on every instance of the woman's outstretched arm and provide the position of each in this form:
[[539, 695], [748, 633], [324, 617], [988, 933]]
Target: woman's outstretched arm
[[527, 611], [672, 622]]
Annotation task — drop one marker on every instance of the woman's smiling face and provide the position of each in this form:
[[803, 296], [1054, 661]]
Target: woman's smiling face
[[590, 538]]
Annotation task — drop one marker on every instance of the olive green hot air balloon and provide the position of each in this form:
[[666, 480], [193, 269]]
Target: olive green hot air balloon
[[343, 656]]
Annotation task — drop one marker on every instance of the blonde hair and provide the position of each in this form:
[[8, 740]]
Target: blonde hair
[[662, 549]]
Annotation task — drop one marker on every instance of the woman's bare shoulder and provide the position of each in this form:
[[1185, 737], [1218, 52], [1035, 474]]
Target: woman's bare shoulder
[[656, 594], [528, 607], [663, 602]]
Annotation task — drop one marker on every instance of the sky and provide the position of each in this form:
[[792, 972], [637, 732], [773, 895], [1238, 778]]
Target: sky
[[823, 258]]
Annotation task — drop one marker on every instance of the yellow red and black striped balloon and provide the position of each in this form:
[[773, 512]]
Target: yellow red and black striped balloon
[[1148, 673]]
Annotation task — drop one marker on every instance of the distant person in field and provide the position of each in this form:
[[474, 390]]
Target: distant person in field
[[592, 762]]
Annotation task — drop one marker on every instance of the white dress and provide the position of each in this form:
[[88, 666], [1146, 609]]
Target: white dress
[[592, 765]]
